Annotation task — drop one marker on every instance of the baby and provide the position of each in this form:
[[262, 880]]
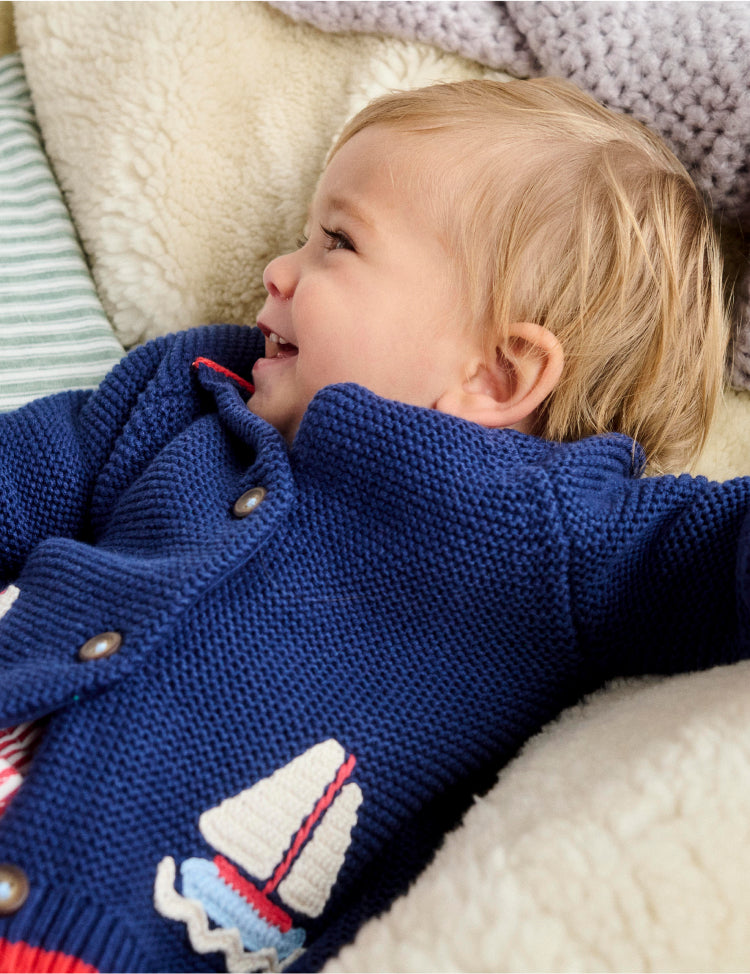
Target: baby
[[501, 231], [272, 648]]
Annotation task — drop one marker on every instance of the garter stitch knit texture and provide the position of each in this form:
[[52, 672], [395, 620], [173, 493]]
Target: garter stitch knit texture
[[304, 699], [681, 68]]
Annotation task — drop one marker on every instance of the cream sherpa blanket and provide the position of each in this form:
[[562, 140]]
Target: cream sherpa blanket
[[188, 139]]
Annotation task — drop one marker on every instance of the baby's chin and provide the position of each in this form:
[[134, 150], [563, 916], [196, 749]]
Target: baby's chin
[[282, 421]]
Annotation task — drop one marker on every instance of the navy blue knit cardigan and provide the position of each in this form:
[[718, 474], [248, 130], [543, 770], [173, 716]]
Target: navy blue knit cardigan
[[271, 678]]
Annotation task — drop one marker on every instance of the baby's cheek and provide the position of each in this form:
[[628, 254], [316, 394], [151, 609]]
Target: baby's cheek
[[332, 364]]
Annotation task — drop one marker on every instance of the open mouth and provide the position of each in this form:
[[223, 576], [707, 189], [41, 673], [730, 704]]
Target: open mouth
[[276, 346]]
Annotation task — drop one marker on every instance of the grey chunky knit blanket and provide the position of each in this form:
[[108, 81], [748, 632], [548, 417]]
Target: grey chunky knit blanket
[[682, 68]]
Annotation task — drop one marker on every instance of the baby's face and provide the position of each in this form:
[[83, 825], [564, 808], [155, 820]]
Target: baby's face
[[372, 296]]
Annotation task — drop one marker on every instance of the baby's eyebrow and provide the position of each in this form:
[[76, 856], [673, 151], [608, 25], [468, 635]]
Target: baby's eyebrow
[[349, 207]]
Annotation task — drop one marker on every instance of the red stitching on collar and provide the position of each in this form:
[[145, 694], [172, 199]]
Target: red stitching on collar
[[247, 386]]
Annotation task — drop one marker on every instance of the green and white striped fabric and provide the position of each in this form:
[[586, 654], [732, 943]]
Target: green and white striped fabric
[[54, 334]]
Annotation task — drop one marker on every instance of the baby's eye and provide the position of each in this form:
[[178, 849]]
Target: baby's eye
[[337, 240]]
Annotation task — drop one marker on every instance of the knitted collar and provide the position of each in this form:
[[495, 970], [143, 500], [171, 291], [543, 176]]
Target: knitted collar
[[350, 438], [349, 433]]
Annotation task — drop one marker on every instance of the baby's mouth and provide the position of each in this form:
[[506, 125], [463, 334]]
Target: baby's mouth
[[276, 346], [279, 347]]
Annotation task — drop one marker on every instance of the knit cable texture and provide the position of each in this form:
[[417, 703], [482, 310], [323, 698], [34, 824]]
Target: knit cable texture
[[681, 68]]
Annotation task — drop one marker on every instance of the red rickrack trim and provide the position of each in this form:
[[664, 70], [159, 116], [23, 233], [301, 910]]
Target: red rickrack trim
[[243, 383]]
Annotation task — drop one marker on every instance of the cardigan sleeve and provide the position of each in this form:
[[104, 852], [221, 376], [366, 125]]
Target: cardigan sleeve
[[50, 453], [44, 476], [52, 450], [657, 580]]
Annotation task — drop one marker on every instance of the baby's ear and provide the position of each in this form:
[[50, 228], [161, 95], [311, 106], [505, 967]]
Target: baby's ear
[[506, 391]]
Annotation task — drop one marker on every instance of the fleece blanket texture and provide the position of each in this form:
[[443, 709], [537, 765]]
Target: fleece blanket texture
[[188, 139], [681, 68]]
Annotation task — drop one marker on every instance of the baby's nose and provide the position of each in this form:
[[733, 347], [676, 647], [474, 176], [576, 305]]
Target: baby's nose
[[279, 277]]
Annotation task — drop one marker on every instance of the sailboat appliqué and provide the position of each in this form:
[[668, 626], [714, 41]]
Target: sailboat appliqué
[[285, 837]]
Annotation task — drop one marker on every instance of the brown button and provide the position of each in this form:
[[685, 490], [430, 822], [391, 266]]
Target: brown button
[[14, 888], [101, 646], [249, 501]]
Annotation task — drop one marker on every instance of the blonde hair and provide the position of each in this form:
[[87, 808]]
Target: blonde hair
[[563, 213]]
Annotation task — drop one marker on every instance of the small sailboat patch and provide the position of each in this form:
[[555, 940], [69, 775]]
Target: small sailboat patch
[[280, 845]]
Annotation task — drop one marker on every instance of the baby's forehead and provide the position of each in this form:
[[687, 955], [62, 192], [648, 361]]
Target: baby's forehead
[[372, 156], [418, 162]]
